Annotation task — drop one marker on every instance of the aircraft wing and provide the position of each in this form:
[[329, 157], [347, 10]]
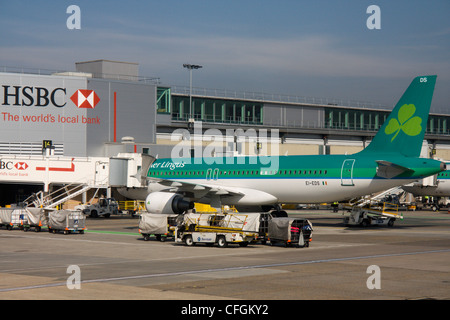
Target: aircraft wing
[[224, 194], [195, 190]]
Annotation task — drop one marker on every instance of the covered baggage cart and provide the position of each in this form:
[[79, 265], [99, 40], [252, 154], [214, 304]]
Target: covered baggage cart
[[36, 218], [67, 221], [13, 217], [290, 231], [159, 225]]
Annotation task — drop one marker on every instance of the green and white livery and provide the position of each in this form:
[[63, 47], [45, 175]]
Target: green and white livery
[[391, 159]]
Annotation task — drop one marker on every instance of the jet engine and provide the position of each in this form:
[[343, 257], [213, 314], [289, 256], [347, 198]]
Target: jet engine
[[167, 203]]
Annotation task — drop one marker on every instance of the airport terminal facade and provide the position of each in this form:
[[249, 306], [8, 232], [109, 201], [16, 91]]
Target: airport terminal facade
[[105, 107]]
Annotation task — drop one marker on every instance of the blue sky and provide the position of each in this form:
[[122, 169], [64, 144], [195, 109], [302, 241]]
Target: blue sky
[[306, 48]]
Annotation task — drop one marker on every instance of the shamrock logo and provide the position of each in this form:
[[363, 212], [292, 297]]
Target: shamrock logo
[[406, 122]]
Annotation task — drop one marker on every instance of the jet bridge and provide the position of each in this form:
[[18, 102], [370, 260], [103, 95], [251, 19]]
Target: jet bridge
[[73, 175]]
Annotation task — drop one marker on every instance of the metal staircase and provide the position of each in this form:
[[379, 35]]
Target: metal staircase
[[57, 197]]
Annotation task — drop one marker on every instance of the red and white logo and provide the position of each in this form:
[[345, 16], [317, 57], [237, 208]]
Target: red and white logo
[[21, 165], [85, 99]]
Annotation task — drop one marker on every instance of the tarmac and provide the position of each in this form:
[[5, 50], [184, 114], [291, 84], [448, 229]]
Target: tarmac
[[410, 261]]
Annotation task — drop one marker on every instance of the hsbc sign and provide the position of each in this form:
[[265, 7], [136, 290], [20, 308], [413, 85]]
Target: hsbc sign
[[86, 99], [9, 165], [43, 97]]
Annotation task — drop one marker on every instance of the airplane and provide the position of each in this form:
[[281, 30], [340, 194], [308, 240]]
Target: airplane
[[251, 184], [439, 188]]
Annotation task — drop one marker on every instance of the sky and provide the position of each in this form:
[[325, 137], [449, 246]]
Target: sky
[[320, 48]]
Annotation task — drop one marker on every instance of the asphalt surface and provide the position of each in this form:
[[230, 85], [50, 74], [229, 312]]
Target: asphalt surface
[[411, 259]]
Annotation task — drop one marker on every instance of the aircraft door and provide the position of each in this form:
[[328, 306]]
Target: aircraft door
[[347, 172], [208, 174]]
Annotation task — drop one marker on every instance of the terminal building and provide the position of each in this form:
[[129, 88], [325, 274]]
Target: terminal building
[[105, 110]]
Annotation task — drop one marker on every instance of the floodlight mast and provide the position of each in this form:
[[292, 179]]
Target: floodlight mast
[[191, 67]]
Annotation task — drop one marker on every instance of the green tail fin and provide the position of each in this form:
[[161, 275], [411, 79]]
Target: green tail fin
[[404, 129]]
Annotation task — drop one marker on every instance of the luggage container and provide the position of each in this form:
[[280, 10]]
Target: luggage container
[[36, 218], [13, 217], [290, 231], [162, 226], [67, 221]]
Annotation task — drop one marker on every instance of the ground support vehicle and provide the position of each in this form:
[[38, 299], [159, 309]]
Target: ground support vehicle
[[13, 217], [131, 207], [67, 221], [36, 218], [290, 232], [162, 226], [104, 207], [212, 228], [374, 214]]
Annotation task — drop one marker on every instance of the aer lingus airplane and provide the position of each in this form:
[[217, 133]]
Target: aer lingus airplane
[[391, 159], [440, 187]]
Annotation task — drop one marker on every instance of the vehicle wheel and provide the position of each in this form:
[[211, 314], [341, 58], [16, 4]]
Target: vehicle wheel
[[94, 214], [391, 222], [365, 223], [221, 242], [188, 241], [146, 237]]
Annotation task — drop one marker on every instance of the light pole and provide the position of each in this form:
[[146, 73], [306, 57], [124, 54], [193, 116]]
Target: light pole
[[191, 67]]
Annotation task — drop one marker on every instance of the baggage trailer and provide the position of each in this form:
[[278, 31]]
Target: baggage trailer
[[36, 218], [290, 231], [67, 221], [162, 226], [211, 228], [13, 217]]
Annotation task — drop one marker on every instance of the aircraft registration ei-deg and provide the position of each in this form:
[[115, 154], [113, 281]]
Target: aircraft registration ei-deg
[[251, 183]]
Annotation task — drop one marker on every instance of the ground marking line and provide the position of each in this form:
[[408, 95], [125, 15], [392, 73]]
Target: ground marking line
[[225, 269]]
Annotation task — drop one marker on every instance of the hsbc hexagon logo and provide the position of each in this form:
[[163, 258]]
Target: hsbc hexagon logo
[[85, 99], [21, 165]]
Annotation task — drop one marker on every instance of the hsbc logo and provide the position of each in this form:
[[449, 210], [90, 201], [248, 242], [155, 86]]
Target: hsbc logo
[[42, 97], [85, 99], [9, 165], [21, 166]]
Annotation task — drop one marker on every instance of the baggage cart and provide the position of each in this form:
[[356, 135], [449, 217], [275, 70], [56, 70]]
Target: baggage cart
[[67, 221], [36, 218], [290, 232], [13, 217], [162, 226]]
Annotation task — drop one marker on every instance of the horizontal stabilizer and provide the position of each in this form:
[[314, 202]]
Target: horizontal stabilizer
[[390, 170]]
